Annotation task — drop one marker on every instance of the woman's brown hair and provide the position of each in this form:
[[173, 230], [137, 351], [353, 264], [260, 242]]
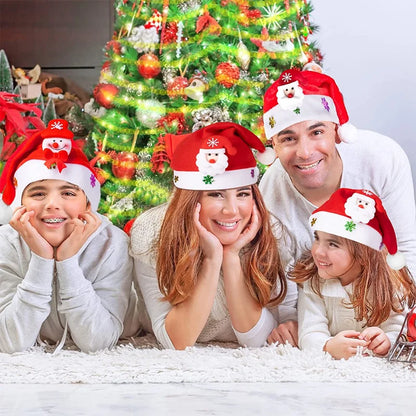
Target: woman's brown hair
[[377, 292], [179, 257]]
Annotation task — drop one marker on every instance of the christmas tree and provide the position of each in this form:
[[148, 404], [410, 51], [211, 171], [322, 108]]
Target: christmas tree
[[6, 79], [176, 66]]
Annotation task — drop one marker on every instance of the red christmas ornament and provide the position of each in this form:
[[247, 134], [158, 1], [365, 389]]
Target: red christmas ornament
[[176, 87], [227, 74], [104, 94], [128, 226], [113, 46], [124, 165], [173, 120], [171, 33], [148, 65]]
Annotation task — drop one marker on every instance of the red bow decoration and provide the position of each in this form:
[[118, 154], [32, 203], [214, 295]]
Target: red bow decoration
[[55, 159]]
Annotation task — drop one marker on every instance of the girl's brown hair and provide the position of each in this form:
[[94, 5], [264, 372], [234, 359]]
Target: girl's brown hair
[[378, 290], [179, 257]]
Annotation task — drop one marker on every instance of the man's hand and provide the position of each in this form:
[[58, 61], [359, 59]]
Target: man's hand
[[287, 331]]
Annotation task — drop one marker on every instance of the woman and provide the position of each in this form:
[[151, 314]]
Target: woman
[[207, 263]]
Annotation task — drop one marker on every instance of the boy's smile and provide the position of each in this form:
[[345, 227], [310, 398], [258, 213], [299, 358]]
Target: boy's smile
[[55, 203]]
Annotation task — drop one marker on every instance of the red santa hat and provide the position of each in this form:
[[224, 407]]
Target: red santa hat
[[359, 215], [231, 140], [48, 154], [305, 95]]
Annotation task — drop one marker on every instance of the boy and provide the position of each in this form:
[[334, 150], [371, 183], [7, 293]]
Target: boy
[[63, 267]]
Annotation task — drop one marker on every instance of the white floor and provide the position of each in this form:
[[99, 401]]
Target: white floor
[[251, 399]]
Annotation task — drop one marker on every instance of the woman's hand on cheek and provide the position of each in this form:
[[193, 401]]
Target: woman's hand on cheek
[[248, 234], [84, 226], [209, 243], [20, 221]]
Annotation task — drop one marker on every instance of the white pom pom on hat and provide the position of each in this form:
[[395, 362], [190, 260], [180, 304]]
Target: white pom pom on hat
[[396, 261], [267, 157], [347, 133]]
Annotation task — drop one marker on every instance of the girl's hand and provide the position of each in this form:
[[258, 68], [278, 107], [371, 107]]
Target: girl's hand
[[344, 344], [20, 221], [84, 226], [248, 234], [209, 243], [378, 341]]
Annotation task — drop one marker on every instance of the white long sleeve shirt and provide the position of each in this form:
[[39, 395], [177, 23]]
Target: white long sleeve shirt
[[373, 162], [88, 292], [321, 318], [218, 326]]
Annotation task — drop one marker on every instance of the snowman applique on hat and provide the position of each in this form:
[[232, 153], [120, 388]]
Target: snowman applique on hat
[[305, 95], [218, 156], [359, 215], [48, 154]]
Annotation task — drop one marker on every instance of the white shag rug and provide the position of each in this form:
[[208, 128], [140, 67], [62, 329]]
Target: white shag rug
[[142, 361]]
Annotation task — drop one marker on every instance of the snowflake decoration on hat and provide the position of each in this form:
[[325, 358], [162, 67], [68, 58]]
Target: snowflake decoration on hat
[[213, 142], [272, 122], [287, 77], [350, 226], [296, 110], [313, 221], [57, 125], [208, 179]]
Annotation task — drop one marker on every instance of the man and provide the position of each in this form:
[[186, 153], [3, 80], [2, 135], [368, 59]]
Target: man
[[319, 151]]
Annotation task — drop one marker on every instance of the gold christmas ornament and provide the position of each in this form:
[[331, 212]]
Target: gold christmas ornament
[[243, 55]]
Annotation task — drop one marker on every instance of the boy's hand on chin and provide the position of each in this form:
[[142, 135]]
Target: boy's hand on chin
[[20, 221], [84, 226]]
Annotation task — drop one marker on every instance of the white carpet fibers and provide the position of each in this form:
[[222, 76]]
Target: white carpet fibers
[[145, 363]]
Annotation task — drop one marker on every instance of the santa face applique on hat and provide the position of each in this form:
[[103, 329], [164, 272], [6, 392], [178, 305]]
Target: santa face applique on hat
[[290, 96], [302, 96], [212, 158], [218, 156], [49, 154], [359, 215]]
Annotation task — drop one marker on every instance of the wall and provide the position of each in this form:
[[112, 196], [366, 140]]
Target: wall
[[369, 48], [65, 37]]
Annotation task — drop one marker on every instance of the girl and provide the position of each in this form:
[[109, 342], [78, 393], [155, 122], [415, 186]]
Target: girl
[[207, 263], [354, 295]]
